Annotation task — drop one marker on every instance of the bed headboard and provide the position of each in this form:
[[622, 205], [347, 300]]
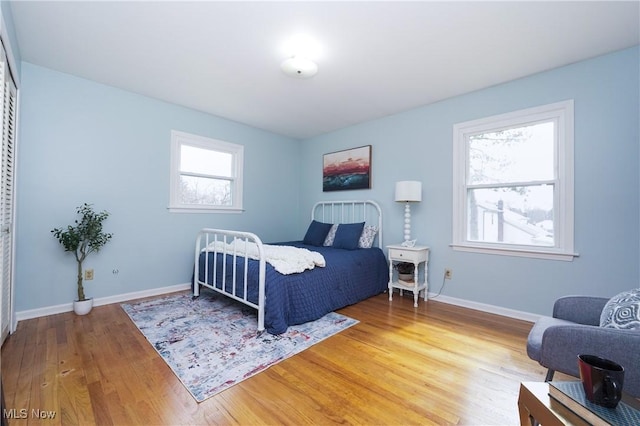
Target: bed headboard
[[350, 211]]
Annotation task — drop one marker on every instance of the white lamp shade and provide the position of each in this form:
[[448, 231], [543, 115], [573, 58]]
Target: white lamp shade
[[408, 190]]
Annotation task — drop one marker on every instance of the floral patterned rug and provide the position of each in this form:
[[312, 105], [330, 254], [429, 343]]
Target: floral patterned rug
[[212, 343]]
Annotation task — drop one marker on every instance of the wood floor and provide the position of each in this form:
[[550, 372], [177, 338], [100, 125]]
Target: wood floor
[[435, 364]]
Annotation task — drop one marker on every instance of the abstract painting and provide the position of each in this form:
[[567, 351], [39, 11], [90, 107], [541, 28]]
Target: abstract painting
[[348, 169]]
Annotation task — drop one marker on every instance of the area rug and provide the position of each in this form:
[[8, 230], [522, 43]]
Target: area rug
[[212, 343]]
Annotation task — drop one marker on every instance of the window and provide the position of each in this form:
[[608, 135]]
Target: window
[[206, 174], [513, 183]]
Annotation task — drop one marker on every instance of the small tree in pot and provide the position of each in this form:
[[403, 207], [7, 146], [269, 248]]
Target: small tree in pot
[[83, 238]]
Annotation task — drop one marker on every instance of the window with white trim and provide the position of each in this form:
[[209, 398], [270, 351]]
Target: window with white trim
[[513, 183], [206, 174]]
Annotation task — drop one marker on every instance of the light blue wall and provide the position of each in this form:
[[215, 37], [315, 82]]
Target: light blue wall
[[85, 142], [82, 141], [7, 19], [417, 145]]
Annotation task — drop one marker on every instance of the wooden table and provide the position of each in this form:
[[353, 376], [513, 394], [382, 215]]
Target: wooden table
[[536, 406]]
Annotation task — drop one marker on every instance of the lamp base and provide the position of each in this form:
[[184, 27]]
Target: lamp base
[[407, 226]]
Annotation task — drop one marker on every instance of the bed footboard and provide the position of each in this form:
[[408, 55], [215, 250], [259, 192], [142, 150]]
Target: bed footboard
[[221, 265]]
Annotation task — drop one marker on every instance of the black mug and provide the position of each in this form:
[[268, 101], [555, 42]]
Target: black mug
[[602, 380]]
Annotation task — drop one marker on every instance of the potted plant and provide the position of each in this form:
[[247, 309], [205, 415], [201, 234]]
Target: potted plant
[[83, 238], [405, 270]]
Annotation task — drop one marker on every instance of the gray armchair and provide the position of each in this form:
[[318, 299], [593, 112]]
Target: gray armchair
[[555, 342]]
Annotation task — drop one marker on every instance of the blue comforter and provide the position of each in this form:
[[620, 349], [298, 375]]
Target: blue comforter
[[348, 277]]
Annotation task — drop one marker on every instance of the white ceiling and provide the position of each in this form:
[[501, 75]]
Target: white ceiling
[[379, 58]]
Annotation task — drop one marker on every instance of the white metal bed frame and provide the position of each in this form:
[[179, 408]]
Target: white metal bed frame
[[335, 212]]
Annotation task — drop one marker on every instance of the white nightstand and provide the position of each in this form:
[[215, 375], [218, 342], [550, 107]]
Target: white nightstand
[[417, 255]]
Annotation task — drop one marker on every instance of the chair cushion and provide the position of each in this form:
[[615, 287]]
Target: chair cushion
[[534, 341], [622, 311]]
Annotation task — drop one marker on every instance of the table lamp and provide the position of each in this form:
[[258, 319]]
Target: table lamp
[[408, 191]]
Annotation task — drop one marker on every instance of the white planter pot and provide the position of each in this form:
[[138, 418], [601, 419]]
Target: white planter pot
[[405, 277], [82, 307]]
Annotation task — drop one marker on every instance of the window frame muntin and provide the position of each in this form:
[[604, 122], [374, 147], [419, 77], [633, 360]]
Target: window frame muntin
[[178, 139], [563, 113]]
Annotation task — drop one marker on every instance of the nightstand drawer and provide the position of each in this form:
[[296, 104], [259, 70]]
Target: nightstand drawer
[[407, 255]]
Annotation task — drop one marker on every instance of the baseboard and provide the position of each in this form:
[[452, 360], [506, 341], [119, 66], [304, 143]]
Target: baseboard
[[492, 309], [68, 307]]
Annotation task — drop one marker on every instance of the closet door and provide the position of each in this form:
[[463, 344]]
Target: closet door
[[8, 98]]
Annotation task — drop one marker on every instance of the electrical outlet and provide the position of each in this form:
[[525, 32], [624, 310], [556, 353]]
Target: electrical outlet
[[448, 273], [88, 274]]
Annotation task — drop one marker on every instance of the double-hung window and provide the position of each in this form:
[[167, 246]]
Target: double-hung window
[[206, 174], [513, 183]]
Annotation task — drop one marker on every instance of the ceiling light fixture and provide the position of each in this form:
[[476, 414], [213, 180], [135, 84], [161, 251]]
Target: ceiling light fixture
[[300, 49], [299, 67]]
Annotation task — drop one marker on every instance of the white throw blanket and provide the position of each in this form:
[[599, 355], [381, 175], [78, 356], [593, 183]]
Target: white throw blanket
[[285, 259]]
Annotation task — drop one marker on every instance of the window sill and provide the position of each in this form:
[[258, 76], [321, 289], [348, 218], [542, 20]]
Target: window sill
[[200, 209], [515, 251]]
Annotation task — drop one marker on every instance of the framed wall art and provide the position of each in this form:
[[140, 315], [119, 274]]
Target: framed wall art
[[348, 169]]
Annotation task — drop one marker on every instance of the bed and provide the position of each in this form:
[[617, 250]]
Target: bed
[[234, 264]]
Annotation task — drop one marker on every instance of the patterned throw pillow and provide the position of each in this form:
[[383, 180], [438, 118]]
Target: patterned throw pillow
[[368, 235], [331, 235], [622, 311], [366, 239]]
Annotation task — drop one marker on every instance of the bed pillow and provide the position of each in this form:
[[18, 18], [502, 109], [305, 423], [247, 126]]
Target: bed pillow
[[331, 235], [316, 233], [622, 311], [368, 235], [348, 235]]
